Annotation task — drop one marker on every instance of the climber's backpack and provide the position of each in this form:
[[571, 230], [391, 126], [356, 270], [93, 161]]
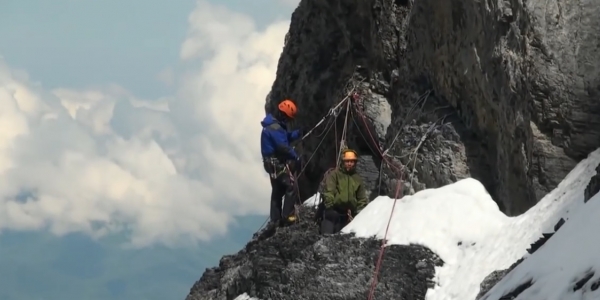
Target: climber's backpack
[[320, 202]]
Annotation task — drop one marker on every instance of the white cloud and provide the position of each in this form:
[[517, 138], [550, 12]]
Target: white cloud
[[171, 170]]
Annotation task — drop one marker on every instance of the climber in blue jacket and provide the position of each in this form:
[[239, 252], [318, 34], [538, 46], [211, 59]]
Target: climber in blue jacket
[[280, 160]]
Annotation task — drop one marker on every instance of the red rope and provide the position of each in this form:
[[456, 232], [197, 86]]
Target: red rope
[[397, 195], [356, 98], [382, 249]]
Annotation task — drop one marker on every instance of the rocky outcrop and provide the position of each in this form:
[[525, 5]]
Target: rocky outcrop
[[593, 187], [297, 263], [490, 281], [505, 92], [493, 278]]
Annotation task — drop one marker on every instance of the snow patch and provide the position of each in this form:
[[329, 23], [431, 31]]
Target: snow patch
[[312, 201], [245, 296]]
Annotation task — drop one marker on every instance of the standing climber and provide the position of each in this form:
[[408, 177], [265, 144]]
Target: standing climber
[[280, 160], [344, 195]]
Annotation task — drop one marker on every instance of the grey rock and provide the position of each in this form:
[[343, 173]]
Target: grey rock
[[297, 263], [493, 278], [369, 169], [523, 78], [593, 187]]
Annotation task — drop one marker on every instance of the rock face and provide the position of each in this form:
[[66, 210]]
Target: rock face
[[593, 187], [505, 91], [297, 263]]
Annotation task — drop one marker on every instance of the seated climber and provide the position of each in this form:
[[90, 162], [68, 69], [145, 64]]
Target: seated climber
[[344, 195], [280, 160]]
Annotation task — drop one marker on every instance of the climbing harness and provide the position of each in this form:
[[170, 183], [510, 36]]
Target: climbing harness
[[276, 167]]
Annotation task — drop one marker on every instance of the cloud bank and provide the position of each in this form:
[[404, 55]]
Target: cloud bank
[[169, 171]]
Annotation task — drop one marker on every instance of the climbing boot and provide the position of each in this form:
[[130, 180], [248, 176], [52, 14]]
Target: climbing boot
[[289, 220]]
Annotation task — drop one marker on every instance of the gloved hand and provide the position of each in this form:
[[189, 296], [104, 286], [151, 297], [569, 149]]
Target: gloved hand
[[328, 203]]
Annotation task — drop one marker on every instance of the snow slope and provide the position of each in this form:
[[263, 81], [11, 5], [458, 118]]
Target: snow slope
[[571, 257], [463, 225]]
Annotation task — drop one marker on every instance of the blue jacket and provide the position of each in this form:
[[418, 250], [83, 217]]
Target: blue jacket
[[275, 139]]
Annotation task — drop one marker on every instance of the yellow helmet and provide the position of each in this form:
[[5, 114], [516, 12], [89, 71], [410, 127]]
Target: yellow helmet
[[349, 154]]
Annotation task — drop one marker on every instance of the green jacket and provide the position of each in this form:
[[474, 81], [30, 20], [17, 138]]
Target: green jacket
[[344, 190]]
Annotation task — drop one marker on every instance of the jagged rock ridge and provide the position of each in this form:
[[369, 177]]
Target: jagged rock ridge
[[297, 263]]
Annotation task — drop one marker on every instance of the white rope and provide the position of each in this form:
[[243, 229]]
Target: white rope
[[344, 135]]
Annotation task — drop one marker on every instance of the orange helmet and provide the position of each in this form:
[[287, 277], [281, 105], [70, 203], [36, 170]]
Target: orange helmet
[[349, 154], [288, 108]]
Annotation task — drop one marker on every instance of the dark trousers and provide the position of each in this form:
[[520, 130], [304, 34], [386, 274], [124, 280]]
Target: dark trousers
[[282, 190], [333, 220]]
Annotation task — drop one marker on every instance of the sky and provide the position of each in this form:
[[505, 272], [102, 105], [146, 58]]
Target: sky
[[129, 152]]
